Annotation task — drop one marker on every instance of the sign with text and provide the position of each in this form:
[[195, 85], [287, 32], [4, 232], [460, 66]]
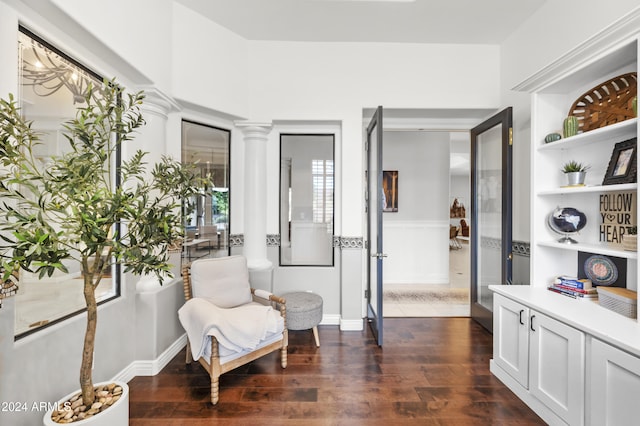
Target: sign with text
[[617, 214]]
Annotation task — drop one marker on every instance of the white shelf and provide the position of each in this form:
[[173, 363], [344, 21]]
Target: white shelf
[[591, 248], [620, 131], [589, 189]]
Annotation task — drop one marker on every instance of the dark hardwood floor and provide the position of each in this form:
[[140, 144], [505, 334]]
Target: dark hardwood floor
[[431, 371]]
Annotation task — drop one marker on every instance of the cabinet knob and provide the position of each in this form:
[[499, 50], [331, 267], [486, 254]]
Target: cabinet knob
[[521, 312]]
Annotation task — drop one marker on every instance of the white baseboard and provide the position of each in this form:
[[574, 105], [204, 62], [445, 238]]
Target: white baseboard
[[154, 366], [351, 325], [330, 320]]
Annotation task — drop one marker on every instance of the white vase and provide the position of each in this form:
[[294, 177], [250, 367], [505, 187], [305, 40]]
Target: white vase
[[116, 415]]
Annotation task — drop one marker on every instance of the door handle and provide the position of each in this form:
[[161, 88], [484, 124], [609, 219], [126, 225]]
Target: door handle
[[521, 312], [531, 323], [379, 255]]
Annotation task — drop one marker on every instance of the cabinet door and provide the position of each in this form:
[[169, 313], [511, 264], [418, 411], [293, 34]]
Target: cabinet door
[[557, 367], [615, 386], [511, 338]]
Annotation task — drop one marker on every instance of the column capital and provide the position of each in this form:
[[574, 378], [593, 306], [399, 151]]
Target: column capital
[[267, 125], [157, 102], [254, 128]]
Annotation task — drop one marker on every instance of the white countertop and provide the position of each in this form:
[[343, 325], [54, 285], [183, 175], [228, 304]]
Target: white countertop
[[585, 315]]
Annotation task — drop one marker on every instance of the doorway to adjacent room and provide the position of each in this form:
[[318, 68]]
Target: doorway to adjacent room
[[433, 279]]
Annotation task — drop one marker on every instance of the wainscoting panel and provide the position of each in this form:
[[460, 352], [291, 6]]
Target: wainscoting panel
[[418, 252]]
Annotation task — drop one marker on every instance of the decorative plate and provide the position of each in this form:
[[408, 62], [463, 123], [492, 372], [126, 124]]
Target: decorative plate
[[601, 270]]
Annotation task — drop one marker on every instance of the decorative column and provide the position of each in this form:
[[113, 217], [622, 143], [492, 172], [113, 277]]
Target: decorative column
[[255, 189], [154, 329], [152, 139]]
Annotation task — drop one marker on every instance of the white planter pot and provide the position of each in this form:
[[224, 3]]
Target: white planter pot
[[116, 415]]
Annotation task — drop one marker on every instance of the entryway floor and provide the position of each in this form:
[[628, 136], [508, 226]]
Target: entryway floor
[[432, 300]]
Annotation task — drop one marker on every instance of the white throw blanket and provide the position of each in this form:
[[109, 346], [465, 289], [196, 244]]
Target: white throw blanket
[[237, 329]]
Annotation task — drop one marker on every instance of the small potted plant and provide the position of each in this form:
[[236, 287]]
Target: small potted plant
[[630, 239], [575, 172]]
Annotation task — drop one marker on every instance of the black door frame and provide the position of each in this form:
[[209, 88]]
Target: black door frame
[[375, 316], [479, 313]]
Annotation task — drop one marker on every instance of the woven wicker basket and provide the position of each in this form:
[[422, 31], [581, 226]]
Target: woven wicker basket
[[607, 103]]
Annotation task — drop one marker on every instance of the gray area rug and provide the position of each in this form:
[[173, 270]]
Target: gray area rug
[[427, 295]]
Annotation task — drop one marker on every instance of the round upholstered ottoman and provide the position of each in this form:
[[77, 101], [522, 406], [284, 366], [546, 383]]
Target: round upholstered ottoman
[[304, 312]]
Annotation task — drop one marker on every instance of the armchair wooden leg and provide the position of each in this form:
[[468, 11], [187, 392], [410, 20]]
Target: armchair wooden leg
[[214, 370], [215, 389], [189, 358], [283, 356]]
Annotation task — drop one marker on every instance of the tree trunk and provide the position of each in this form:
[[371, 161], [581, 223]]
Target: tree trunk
[[86, 381]]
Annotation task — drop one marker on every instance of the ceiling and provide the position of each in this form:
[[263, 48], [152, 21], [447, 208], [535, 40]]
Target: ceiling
[[392, 21], [398, 21]]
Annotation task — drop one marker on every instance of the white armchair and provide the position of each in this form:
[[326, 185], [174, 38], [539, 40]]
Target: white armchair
[[228, 323]]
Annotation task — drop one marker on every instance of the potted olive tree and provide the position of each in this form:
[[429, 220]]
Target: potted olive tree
[[81, 207]]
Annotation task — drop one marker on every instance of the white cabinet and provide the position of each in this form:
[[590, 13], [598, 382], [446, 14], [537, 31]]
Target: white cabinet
[[544, 356], [511, 338], [615, 386], [556, 367]]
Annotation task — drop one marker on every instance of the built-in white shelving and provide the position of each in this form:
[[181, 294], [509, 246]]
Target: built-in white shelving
[[551, 104], [567, 190], [623, 130], [591, 248], [594, 351]]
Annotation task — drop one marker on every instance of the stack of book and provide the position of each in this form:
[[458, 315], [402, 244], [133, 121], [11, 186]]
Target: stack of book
[[573, 287]]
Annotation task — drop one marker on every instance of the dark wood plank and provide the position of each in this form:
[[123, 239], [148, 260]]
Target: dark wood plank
[[431, 371]]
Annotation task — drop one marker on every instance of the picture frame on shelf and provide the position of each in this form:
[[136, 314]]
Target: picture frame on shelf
[[608, 271], [623, 163]]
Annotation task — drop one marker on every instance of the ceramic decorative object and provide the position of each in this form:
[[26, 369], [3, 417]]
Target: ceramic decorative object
[[570, 126], [552, 137]]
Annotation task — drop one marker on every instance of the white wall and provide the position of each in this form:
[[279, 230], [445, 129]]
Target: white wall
[[209, 66], [335, 81], [416, 238], [142, 29]]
